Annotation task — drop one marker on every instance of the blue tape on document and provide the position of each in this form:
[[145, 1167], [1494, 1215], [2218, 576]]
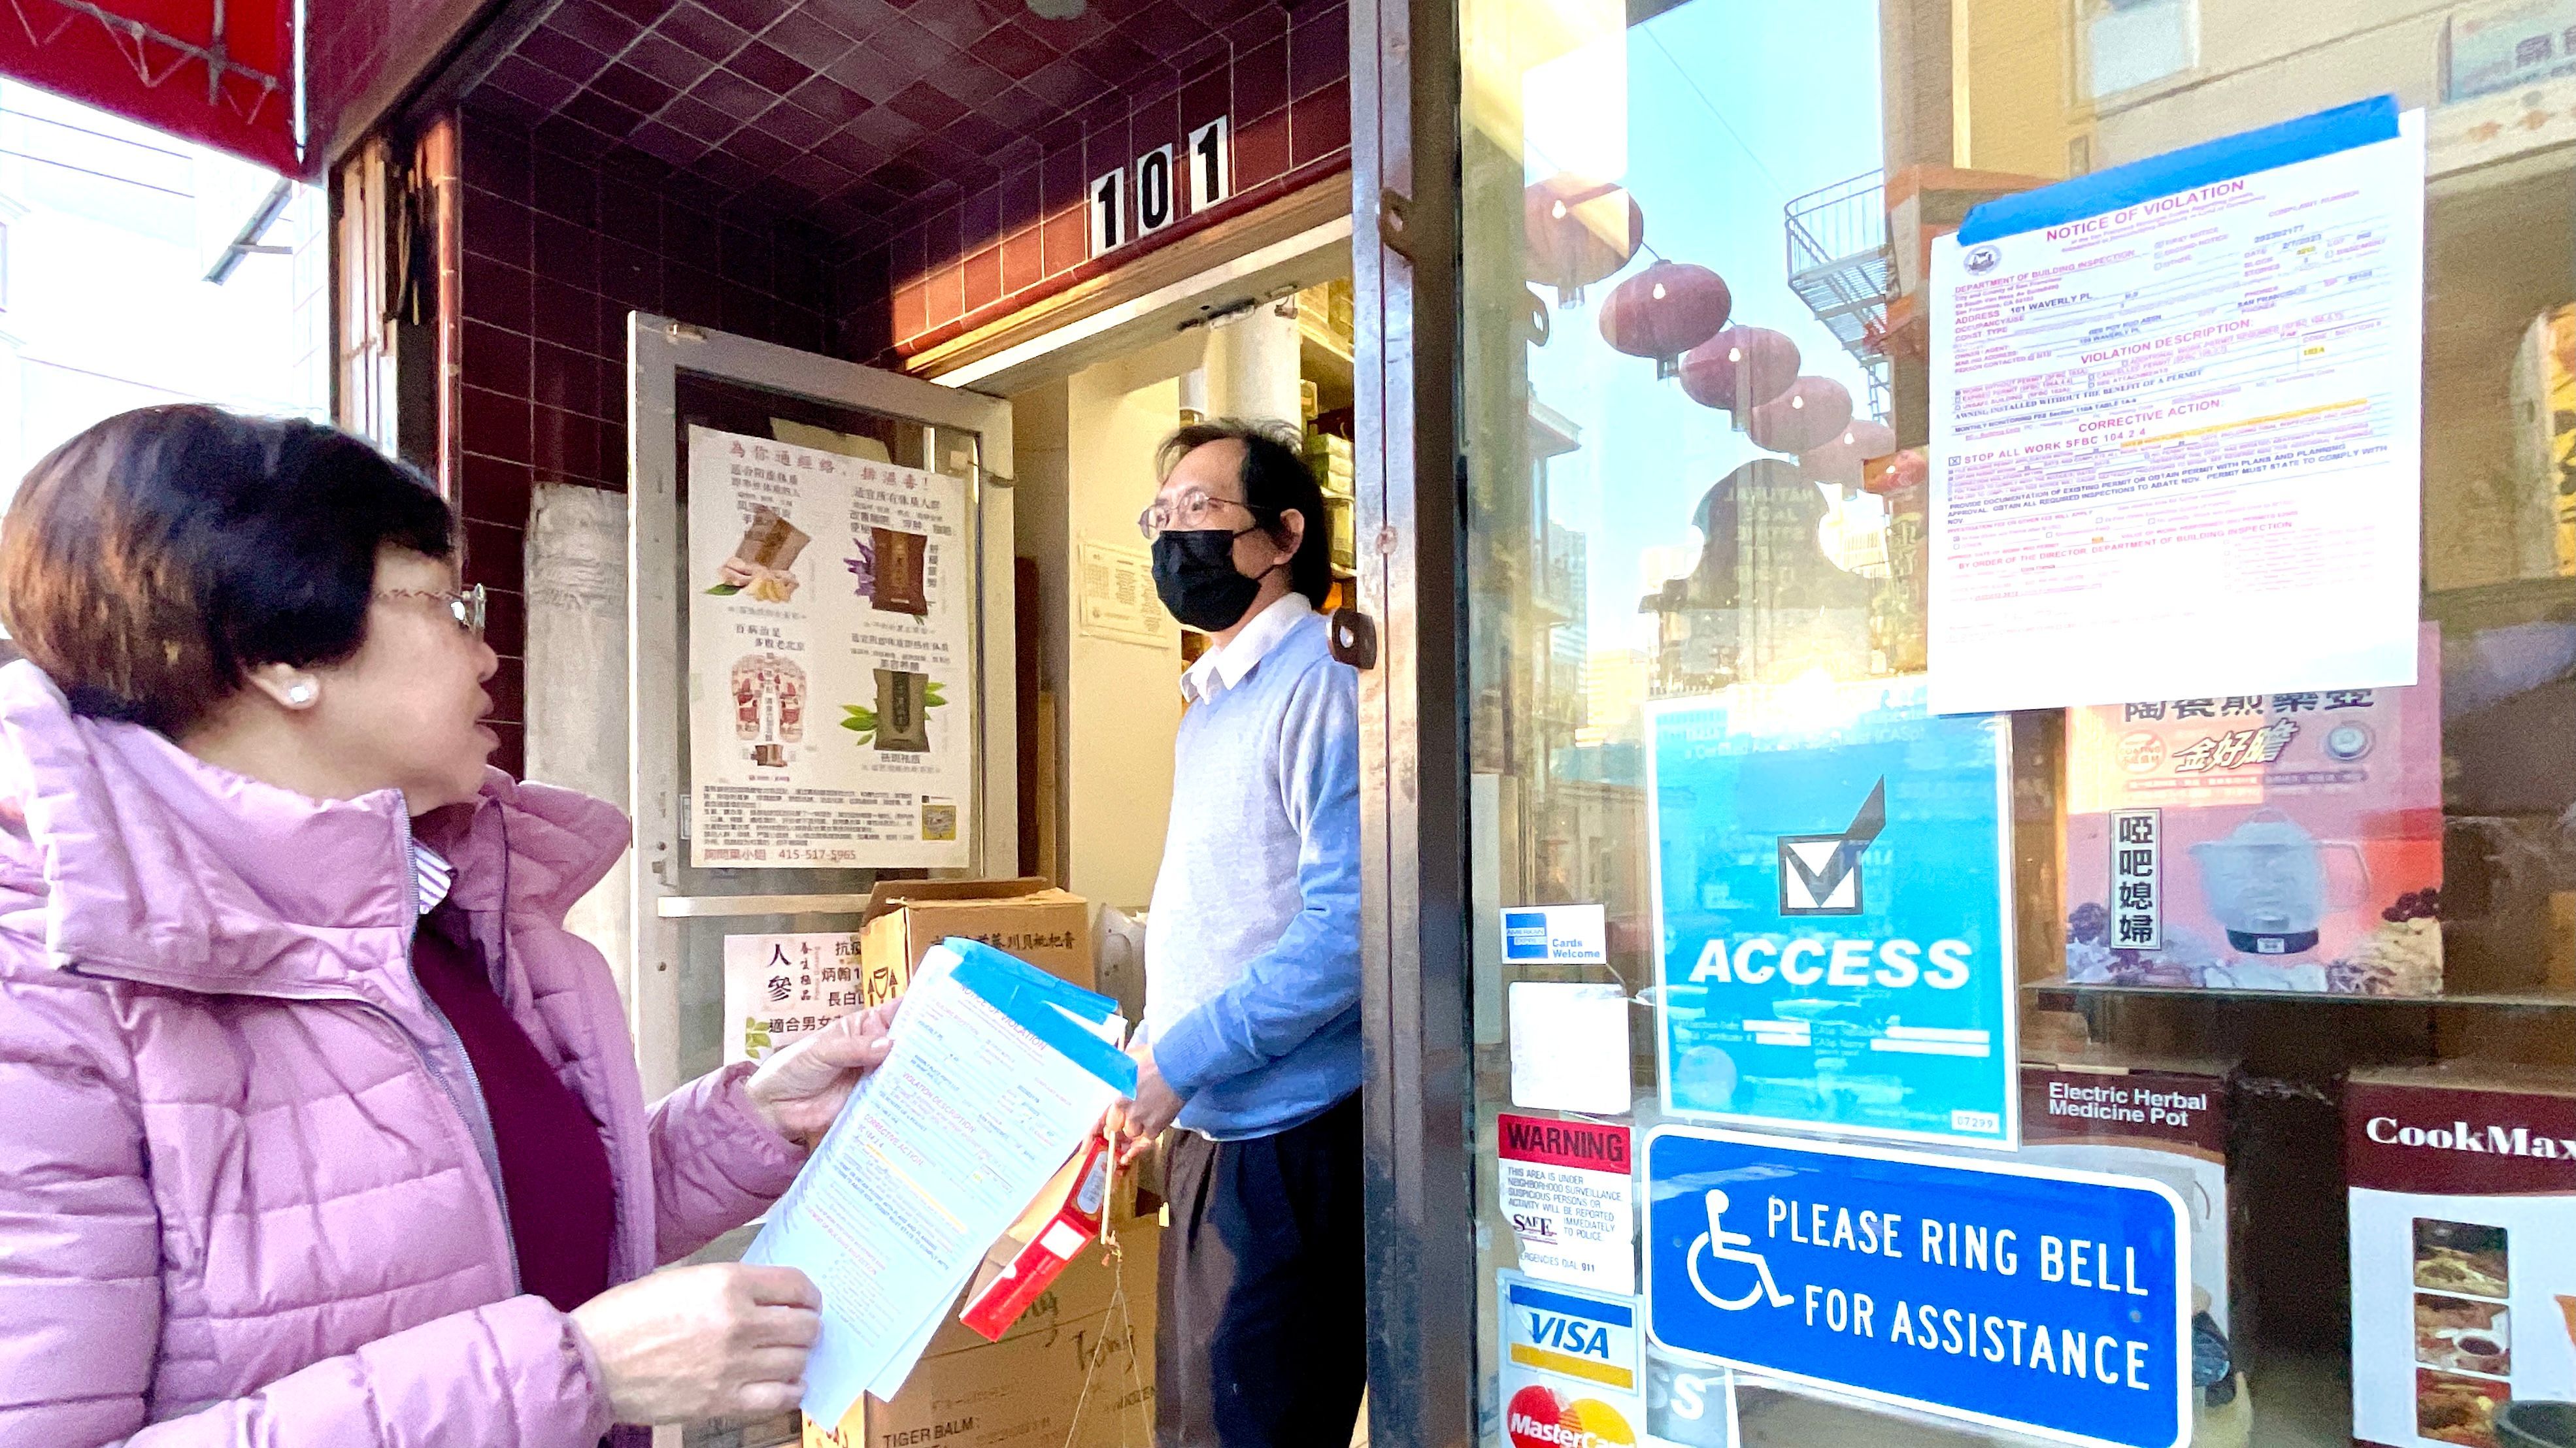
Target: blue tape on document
[[1052, 1009], [2360, 124]]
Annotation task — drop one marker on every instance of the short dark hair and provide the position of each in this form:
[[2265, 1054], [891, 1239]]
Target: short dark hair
[[150, 563], [1275, 479]]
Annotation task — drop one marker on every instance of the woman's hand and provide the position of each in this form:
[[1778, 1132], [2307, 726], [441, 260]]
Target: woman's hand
[[800, 1089], [722, 1340]]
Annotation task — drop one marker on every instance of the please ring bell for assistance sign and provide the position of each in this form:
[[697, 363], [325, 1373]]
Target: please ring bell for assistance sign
[[2049, 1302]]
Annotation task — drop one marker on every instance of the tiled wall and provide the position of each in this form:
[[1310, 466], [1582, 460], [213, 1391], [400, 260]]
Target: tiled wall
[[557, 252], [1281, 76]]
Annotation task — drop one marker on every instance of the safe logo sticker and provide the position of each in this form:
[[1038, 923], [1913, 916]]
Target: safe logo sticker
[[1541, 1417], [1820, 874]]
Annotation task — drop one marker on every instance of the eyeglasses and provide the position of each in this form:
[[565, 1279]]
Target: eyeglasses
[[466, 607], [1192, 512]]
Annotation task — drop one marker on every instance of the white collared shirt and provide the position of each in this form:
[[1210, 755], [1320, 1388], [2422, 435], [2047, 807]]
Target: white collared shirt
[[1224, 666], [432, 876]]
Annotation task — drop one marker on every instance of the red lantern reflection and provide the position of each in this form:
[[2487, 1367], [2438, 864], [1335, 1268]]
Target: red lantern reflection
[[1579, 231], [1839, 460], [1739, 369], [1810, 414], [1664, 311]]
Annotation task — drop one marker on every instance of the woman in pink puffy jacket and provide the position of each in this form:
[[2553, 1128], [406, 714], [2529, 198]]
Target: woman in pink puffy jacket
[[316, 1126]]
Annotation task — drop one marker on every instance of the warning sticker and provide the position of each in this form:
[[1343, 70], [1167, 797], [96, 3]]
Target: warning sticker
[[1567, 1192]]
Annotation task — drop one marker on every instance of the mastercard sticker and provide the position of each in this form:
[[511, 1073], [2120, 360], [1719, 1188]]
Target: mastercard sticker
[[1542, 1417]]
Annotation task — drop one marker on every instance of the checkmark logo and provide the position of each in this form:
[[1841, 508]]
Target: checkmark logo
[[1820, 874]]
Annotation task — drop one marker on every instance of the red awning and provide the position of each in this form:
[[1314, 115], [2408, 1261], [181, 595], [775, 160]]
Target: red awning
[[217, 71]]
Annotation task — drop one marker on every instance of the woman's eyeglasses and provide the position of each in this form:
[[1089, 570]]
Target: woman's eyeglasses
[[1192, 512], [465, 606]]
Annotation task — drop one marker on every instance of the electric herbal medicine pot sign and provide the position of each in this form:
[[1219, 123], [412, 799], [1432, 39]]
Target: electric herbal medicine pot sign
[[2046, 1301], [1832, 896]]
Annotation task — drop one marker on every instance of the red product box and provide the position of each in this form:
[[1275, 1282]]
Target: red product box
[[1063, 1220]]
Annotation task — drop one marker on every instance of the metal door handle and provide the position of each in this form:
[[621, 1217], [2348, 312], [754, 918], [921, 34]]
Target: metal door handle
[[1354, 638]]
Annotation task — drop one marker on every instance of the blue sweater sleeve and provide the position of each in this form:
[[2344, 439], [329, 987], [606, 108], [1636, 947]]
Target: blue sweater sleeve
[[1311, 976]]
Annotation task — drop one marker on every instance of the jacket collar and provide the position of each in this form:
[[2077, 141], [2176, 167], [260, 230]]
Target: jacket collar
[[151, 864]]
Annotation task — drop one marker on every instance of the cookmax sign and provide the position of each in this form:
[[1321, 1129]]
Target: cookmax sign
[[2461, 1136]]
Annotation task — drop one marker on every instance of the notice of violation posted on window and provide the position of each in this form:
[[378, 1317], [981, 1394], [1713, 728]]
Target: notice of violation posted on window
[[2176, 425]]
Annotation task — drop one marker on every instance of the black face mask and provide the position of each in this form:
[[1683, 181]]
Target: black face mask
[[1195, 576]]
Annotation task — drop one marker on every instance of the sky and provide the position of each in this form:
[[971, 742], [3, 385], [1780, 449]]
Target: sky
[[1734, 106]]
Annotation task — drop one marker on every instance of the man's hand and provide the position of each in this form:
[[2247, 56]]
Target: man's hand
[[800, 1089], [1135, 1123]]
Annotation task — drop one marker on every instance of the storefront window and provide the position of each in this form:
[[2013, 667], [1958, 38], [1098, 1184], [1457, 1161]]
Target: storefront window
[[2021, 646]]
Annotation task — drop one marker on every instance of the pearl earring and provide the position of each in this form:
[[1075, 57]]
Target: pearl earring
[[299, 693]]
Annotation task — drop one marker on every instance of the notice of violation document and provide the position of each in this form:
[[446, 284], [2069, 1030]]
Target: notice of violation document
[[999, 1072], [2176, 424]]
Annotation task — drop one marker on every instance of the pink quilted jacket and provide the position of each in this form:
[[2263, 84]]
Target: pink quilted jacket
[[240, 1202]]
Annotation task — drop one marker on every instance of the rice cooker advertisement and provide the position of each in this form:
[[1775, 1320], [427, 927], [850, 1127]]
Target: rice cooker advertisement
[[1833, 904], [1573, 1368], [2049, 1302]]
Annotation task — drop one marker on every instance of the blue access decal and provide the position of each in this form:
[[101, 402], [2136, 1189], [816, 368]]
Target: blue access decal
[[2049, 1302], [1832, 896], [2361, 123]]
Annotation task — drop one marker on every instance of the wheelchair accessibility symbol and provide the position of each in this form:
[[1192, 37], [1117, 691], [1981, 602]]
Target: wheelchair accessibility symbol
[[1725, 1246]]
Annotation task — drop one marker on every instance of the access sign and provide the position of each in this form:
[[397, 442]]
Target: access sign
[[1832, 892], [2049, 1302]]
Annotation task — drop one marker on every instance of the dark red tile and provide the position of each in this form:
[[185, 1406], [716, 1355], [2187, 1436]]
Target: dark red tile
[[565, 445], [1065, 179], [699, 121], [734, 95], [1063, 84], [1155, 121], [496, 159], [1121, 61], [495, 556], [871, 73], [1205, 99], [567, 188], [497, 293], [910, 306], [666, 60], [960, 23], [601, 114], [512, 757], [943, 296], [770, 68], [496, 424], [612, 348], [1023, 263], [634, 89], [565, 377], [1261, 150], [567, 316], [925, 104], [562, 54], [829, 99], [702, 31], [1320, 124], [692, 294], [1319, 51], [816, 176], [979, 219], [496, 490], [1019, 194], [751, 15], [1012, 50], [507, 688], [743, 257], [594, 25], [857, 18], [941, 244], [630, 211], [1020, 111], [982, 278], [1065, 240], [575, 141], [525, 80], [629, 275], [505, 620], [798, 127], [495, 228], [812, 40], [612, 445], [690, 236], [970, 83], [496, 359], [665, 144], [1260, 81], [642, 12], [753, 152]]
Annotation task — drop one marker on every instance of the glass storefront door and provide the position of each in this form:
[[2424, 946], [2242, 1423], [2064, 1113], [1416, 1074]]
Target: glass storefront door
[[2271, 984]]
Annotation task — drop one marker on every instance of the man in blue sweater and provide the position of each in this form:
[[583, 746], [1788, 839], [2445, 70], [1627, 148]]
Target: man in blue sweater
[[1251, 1041]]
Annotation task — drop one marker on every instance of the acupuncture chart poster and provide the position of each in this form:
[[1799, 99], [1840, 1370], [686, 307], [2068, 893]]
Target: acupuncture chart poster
[[830, 693], [2177, 419]]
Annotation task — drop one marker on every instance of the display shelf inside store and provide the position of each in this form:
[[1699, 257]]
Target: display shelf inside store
[[2494, 605], [2530, 998], [1324, 357]]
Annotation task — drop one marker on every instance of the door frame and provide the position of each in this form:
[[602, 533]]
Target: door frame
[[1419, 1159], [658, 349]]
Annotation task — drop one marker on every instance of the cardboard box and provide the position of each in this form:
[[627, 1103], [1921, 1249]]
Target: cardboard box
[[1044, 926], [2462, 1190], [1093, 1326]]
